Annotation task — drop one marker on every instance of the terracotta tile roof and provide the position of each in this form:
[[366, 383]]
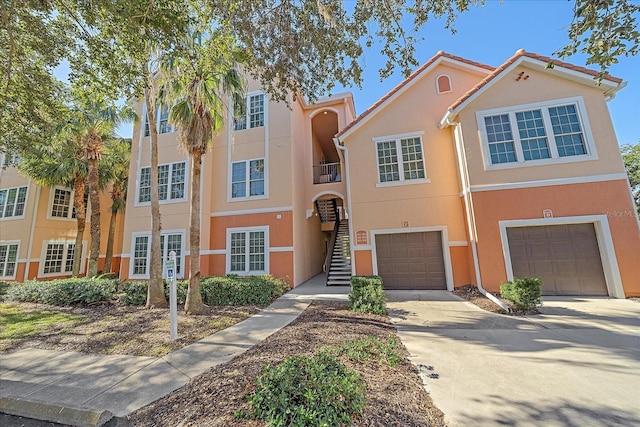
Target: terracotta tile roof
[[522, 53], [416, 73]]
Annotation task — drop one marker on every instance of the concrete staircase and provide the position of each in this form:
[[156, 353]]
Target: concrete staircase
[[339, 273]]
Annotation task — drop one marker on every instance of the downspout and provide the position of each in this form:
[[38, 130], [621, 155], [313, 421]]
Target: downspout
[[25, 276], [347, 177], [466, 192]]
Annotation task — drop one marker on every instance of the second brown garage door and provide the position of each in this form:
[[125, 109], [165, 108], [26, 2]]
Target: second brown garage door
[[411, 260], [565, 256]]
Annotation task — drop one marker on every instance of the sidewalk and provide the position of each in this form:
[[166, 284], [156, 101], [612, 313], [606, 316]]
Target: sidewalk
[[88, 390]]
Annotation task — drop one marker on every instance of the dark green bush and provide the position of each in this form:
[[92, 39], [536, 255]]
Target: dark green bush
[[367, 295], [308, 391], [4, 287], [216, 291], [64, 292], [525, 293]]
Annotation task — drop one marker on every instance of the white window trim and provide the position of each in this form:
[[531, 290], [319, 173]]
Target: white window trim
[[26, 200], [248, 96], [446, 254], [397, 138], [43, 255], [182, 232], [69, 217], [15, 271], [137, 201], [603, 236], [230, 197], [441, 92], [590, 147], [157, 116], [267, 250]]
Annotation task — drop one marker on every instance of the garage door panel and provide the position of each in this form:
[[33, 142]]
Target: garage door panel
[[566, 257], [411, 260]]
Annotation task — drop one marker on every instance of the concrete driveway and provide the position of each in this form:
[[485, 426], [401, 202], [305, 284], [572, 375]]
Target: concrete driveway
[[577, 364]]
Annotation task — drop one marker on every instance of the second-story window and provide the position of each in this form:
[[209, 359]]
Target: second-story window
[[62, 203], [171, 182], [247, 178], [254, 112], [12, 202], [162, 121], [400, 159]]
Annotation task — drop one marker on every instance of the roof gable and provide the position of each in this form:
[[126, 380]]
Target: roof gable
[[438, 58], [609, 84]]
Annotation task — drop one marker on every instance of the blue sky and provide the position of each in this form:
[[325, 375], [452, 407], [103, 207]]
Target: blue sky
[[493, 33]]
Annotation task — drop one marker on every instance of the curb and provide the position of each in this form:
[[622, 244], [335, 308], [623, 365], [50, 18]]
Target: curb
[[69, 415]]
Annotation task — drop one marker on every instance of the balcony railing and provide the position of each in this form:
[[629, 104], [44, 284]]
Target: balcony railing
[[327, 172]]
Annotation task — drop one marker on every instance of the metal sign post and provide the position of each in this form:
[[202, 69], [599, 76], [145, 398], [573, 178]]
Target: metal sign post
[[173, 298]]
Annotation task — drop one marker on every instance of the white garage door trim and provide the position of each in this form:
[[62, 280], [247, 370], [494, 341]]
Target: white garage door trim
[[603, 235], [448, 271]]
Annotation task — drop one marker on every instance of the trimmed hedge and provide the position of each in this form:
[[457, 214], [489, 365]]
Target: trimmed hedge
[[525, 293], [216, 291], [63, 292], [308, 391], [367, 295]]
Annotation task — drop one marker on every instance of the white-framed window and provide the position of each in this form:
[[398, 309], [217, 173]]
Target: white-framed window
[[8, 259], [61, 203], [254, 113], [141, 252], [533, 134], [162, 121], [400, 159], [171, 182], [57, 259], [12, 202], [247, 178], [9, 159], [443, 84], [248, 250]]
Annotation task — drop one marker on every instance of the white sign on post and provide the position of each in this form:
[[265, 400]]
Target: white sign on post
[[173, 298]]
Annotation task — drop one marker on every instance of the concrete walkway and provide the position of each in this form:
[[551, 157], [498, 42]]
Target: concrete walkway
[[85, 389], [577, 364]]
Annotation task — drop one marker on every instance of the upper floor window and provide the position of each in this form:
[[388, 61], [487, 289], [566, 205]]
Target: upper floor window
[[171, 182], [247, 178], [62, 205], [538, 133], [142, 252], [9, 159], [162, 121], [443, 84], [8, 259], [400, 158], [12, 202], [253, 113]]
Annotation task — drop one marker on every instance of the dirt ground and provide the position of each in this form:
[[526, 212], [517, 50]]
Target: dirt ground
[[395, 395], [120, 329], [473, 295]]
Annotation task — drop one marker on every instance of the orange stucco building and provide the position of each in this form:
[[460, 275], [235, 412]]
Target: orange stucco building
[[463, 173]]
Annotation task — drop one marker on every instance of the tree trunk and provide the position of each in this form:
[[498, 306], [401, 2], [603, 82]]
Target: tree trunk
[[155, 292], [94, 197], [194, 304], [81, 218], [112, 235]]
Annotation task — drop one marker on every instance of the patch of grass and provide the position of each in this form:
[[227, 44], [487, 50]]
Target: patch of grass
[[370, 348], [16, 323]]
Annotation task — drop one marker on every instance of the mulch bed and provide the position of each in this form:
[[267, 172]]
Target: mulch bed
[[473, 295], [395, 395]]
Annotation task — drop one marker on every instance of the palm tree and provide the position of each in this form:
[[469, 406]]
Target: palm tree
[[199, 84], [96, 121], [118, 156]]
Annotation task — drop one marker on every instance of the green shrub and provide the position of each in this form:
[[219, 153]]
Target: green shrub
[[308, 391], [64, 292], [4, 287], [370, 348], [216, 291], [524, 293], [367, 295]]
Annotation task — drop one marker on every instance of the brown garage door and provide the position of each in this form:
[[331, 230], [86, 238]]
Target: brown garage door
[[411, 260], [565, 256]]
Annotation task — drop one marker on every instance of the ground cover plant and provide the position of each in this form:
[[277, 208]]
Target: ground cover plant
[[367, 295], [364, 343]]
